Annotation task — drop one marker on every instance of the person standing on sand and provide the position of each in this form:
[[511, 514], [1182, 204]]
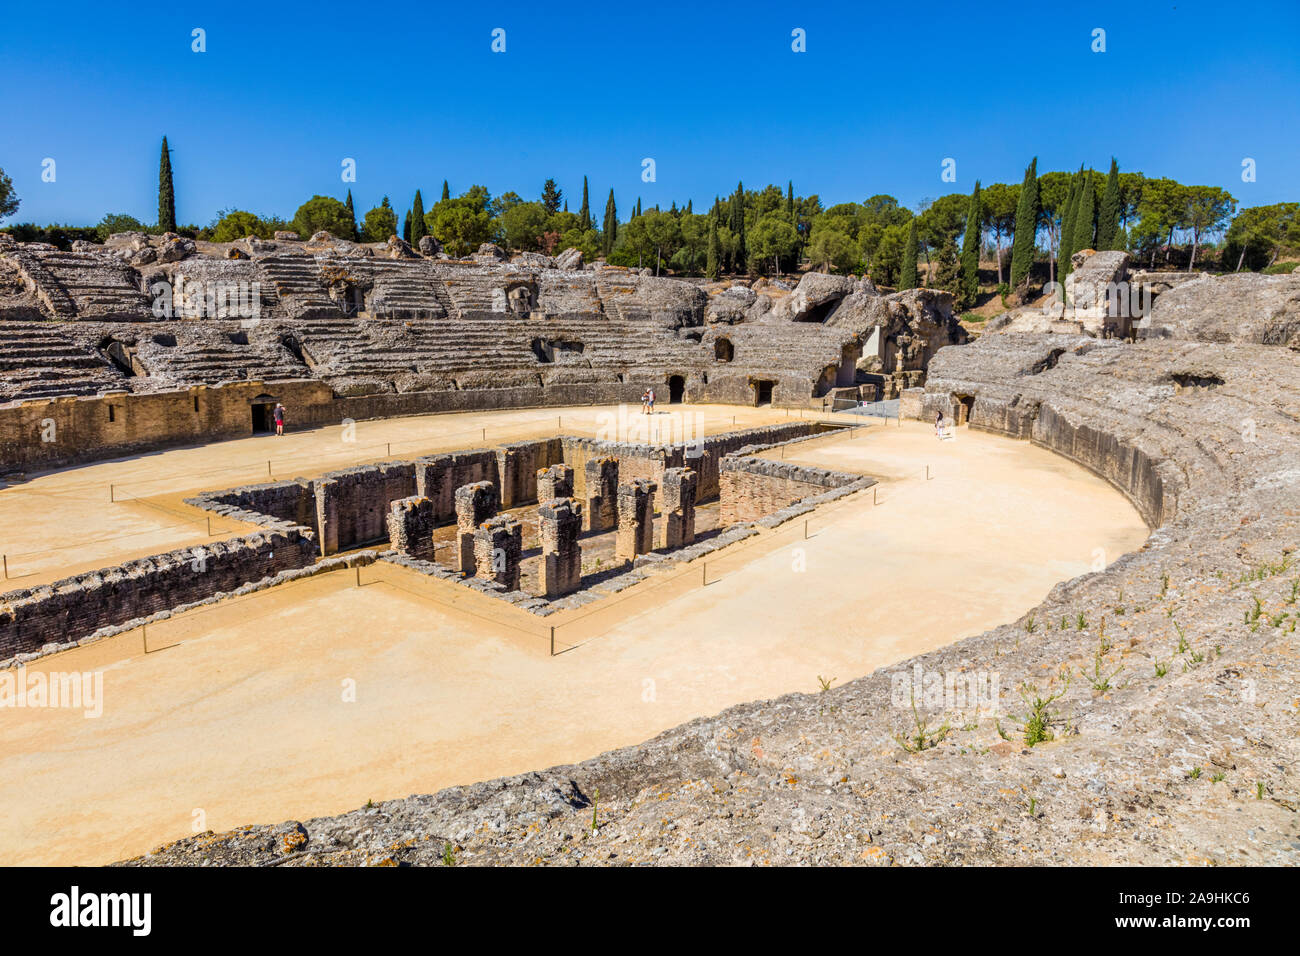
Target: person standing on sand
[[645, 400], [651, 396], [938, 425], [279, 419]]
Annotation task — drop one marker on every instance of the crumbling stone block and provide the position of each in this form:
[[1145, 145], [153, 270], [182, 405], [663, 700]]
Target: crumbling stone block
[[680, 486], [498, 546], [601, 512], [475, 504], [636, 508], [559, 523], [554, 482], [410, 527]]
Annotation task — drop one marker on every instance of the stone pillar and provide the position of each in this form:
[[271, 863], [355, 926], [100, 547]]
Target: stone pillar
[[601, 512], [680, 487], [410, 527], [475, 504], [636, 509], [554, 482], [559, 522], [498, 545]]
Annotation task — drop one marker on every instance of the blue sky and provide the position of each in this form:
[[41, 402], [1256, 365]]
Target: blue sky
[[412, 91]]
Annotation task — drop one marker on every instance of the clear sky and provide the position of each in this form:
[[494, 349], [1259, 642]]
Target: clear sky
[[414, 94]]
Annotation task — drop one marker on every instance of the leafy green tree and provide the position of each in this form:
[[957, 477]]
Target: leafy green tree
[[999, 205], [1259, 234], [887, 260], [907, 277], [551, 196], [114, 223], [832, 248], [1022, 245], [663, 233], [772, 239], [166, 192], [354, 235], [9, 201], [970, 250], [419, 228], [1206, 209], [585, 212], [609, 230], [237, 224], [523, 226], [1084, 216], [1160, 212], [1067, 228], [1108, 215], [462, 224], [712, 265], [938, 227], [322, 212], [380, 223]]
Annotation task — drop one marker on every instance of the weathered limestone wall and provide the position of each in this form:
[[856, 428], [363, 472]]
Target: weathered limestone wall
[[554, 482], [517, 467], [559, 523], [753, 488], [438, 476], [498, 548], [636, 510], [76, 607], [410, 527], [601, 489], [678, 507], [352, 505], [293, 501], [475, 504]]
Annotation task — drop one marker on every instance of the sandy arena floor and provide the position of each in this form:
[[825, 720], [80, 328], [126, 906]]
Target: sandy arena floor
[[314, 698]]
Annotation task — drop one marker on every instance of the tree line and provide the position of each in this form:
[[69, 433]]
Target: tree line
[[1028, 230]]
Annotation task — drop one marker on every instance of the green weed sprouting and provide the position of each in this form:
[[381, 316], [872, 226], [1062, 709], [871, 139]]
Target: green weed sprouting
[[922, 737], [1099, 680], [1037, 723]]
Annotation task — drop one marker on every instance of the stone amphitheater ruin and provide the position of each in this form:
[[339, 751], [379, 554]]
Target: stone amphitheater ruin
[[1147, 704]]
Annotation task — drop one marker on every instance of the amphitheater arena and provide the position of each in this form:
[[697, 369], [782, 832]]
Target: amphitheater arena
[[472, 556]]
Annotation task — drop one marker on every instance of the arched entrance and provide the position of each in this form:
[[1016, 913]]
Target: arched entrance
[[263, 420]]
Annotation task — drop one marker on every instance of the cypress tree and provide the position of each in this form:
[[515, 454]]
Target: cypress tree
[[1067, 230], [1083, 213], [1108, 215], [737, 223], [638, 206], [418, 229], [789, 200], [406, 226], [689, 203], [446, 193], [1022, 245], [907, 280], [970, 250], [166, 193], [585, 212], [352, 215], [711, 267], [610, 230]]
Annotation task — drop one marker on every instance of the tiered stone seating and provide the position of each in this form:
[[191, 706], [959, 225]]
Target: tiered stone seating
[[94, 287], [37, 360], [402, 288], [296, 280], [205, 353]]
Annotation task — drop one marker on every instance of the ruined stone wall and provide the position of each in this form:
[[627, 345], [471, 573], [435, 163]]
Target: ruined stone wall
[[753, 488], [76, 607], [292, 501], [352, 505], [438, 476]]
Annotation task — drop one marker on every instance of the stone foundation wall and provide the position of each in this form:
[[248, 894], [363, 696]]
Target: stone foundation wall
[[352, 505], [293, 501], [753, 488], [438, 476], [76, 607]]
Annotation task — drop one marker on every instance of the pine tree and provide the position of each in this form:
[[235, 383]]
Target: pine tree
[[610, 231], [418, 228], [352, 215], [1022, 245], [970, 250], [1067, 230], [908, 278], [585, 212], [1083, 215], [166, 192], [551, 196], [446, 192], [1108, 215], [712, 266]]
